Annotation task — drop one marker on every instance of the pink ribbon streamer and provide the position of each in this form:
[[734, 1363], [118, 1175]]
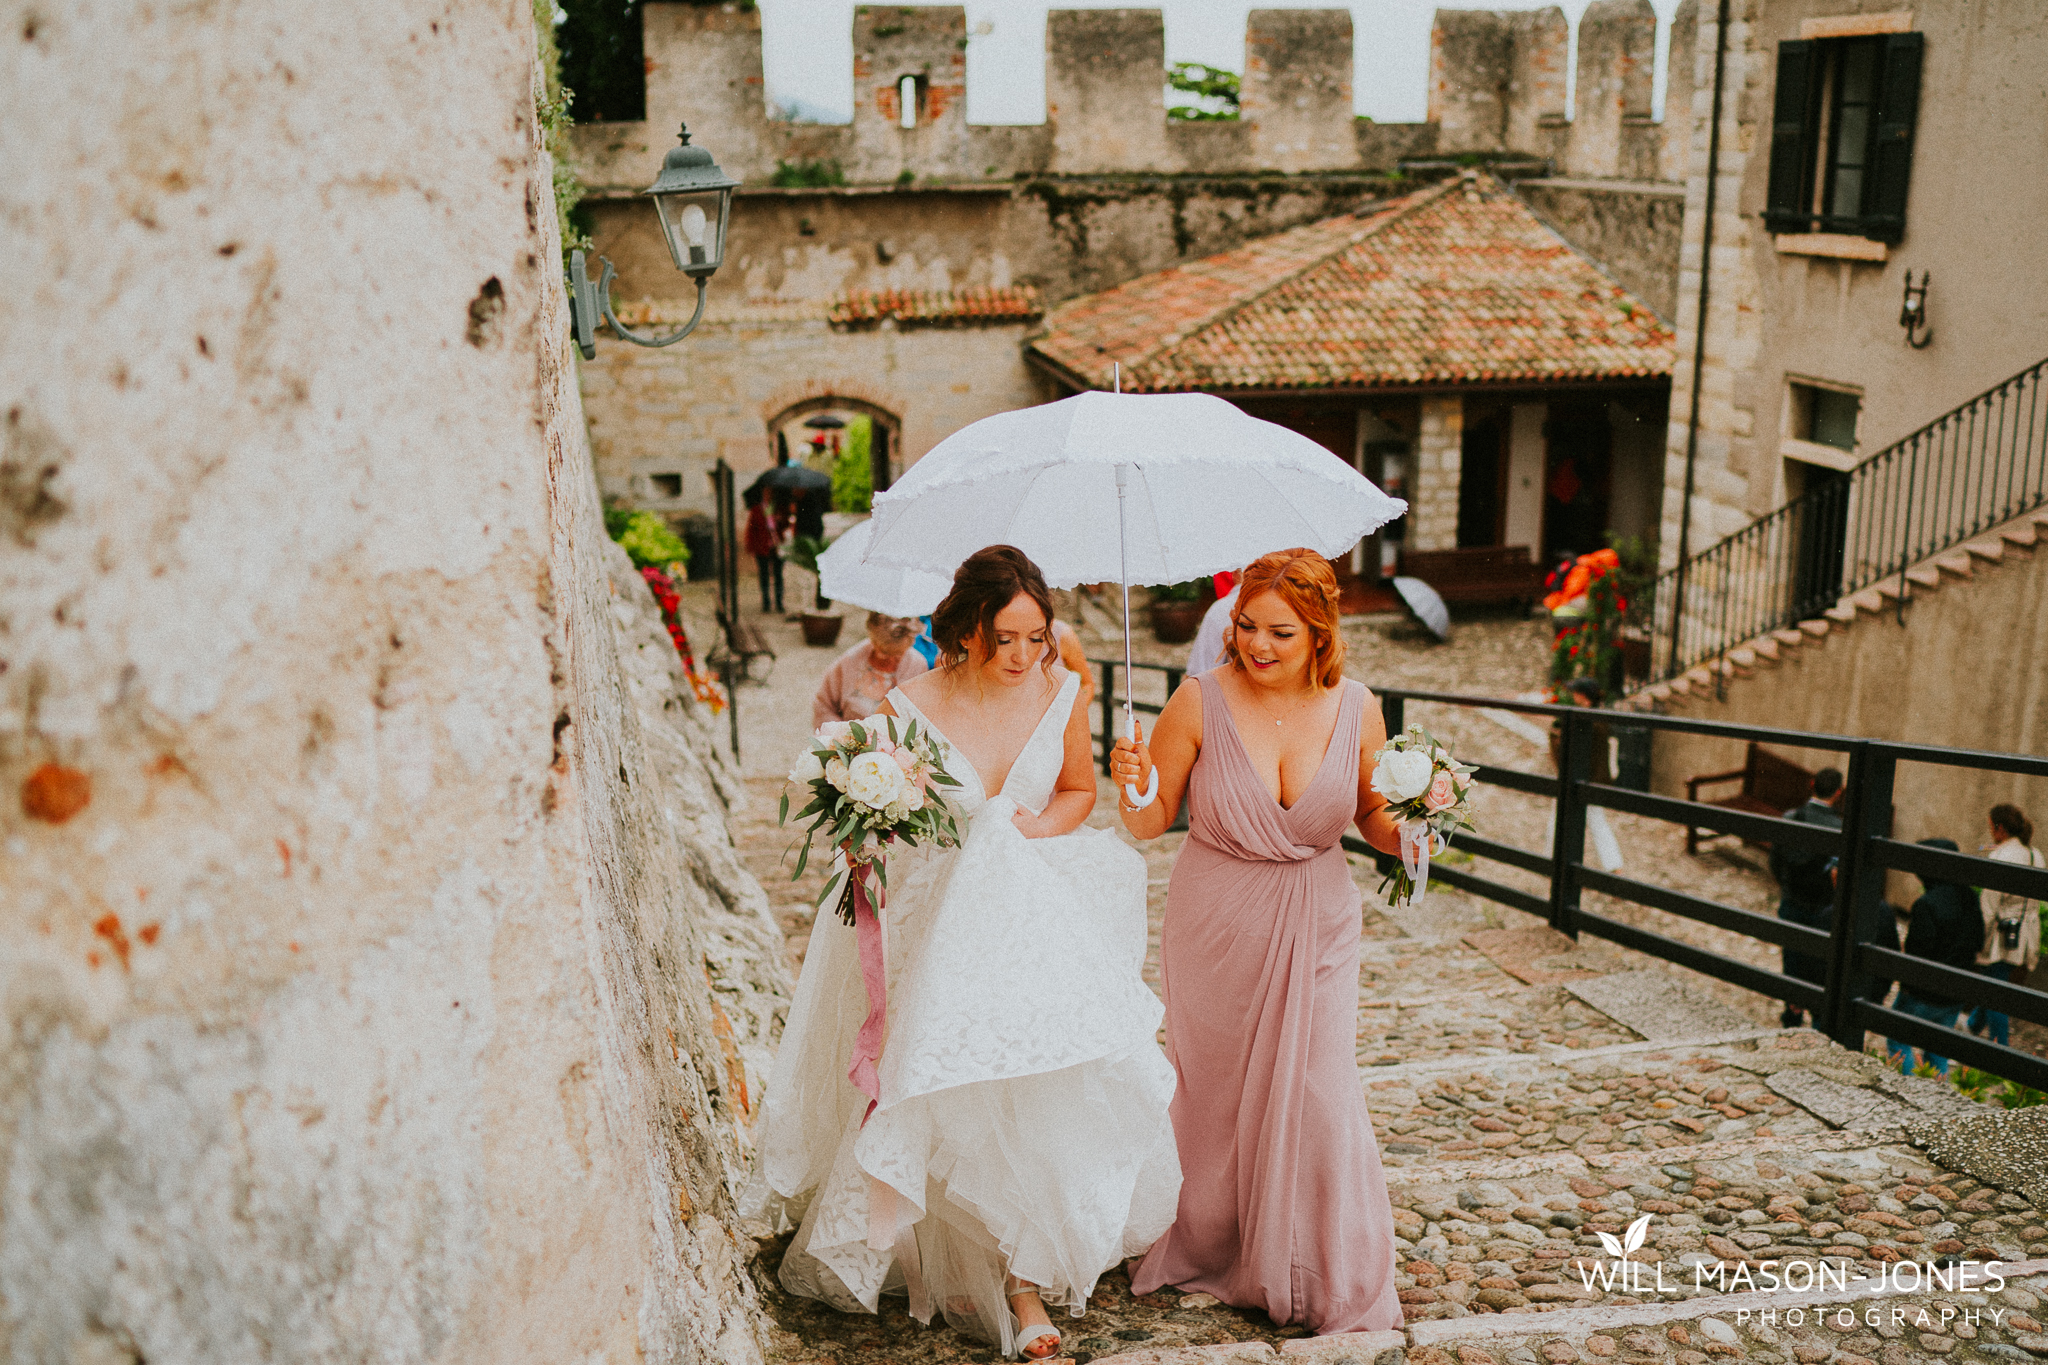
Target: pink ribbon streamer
[[867, 1044]]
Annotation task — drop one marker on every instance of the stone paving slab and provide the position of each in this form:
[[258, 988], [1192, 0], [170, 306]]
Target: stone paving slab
[[1655, 1005]]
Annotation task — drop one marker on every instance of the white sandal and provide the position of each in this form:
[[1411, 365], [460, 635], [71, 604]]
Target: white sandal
[[1027, 1336]]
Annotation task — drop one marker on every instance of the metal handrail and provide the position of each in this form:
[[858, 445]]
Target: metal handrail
[[1983, 463], [1863, 847]]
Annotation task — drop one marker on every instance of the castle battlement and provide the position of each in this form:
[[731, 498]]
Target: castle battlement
[[1496, 85]]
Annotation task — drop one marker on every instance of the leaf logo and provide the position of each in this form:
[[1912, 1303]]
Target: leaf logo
[[1620, 1247]]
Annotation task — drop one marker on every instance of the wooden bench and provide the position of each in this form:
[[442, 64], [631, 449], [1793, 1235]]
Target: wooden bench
[[1483, 574], [1770, 786], [745, 642]]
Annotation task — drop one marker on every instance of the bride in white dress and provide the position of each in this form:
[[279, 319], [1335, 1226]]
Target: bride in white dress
[[1020, 1146]]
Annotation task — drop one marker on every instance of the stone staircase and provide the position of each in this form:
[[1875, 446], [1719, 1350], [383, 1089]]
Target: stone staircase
[[1531, 1094], [2018, 537]]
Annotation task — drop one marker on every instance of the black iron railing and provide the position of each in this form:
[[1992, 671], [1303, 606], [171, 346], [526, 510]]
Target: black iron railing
[[1960, 475], [1863, 847]]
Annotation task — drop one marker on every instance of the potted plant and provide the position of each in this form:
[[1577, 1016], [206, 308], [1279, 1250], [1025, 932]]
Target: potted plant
[[821, 628], [1177, 610]]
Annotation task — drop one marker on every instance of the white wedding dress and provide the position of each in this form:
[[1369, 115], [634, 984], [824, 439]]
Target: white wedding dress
[[1022, 1123]]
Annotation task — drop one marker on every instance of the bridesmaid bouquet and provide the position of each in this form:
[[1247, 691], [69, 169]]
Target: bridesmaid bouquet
[[870, 786], [1429, 793]]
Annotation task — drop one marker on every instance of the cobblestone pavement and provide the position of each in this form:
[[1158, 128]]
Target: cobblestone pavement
[[1529, 1095]]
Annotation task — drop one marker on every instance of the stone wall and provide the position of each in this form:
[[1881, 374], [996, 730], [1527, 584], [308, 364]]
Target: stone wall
[[681, 410], [1497, 84], [377, 976], [1629, 228]]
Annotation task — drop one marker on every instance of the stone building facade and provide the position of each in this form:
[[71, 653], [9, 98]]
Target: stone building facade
[[377, 977], [1793, 310], [1106, 190]]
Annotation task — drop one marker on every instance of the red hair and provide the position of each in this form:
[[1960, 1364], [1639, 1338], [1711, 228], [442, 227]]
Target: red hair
[[1305, 581]]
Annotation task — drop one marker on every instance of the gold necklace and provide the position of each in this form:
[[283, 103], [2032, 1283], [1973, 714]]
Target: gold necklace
[[1268, 711]]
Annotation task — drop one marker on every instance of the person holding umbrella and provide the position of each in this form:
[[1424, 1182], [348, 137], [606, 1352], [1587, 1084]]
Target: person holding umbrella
[[1283, 1206], [1019, 1145]]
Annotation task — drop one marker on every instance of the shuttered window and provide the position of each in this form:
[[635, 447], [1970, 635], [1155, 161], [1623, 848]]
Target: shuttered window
[[1842, 119]]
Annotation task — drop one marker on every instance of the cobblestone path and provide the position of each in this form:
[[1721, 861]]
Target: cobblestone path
[[1530, 1094]]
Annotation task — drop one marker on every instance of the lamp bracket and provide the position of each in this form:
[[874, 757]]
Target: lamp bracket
[[591, 299]]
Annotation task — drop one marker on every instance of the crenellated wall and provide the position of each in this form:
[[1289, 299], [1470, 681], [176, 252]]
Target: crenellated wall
[[1497, 84], [1106, 189]]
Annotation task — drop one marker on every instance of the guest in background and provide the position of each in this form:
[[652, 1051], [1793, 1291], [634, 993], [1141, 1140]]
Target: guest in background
[[1207, 650], [1806, 884], [927, 648], [859, 680], [764, 543], [2012, 924], [1947, 927]]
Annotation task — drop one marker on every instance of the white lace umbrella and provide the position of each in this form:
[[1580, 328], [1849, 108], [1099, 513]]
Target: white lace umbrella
[[844, 576], [1131, 488]]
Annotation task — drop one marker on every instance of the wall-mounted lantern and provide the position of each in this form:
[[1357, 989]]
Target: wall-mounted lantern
[[1913, 311], [693, 199]]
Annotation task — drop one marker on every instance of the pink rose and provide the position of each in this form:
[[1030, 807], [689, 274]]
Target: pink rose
[[1443, 793], [905, 760]]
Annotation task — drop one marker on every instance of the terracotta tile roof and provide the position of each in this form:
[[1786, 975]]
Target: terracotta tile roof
[[862, 308], [1457, 283]]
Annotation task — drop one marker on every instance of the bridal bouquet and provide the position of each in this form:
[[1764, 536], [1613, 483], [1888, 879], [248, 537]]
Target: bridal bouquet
[[1429, 793], [871, 785]]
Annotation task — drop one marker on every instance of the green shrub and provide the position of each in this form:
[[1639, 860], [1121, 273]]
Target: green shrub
[[1190, 591], [807, 175], [645, 538], [853, 473]]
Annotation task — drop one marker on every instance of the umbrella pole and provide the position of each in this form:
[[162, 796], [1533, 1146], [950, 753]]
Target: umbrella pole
[[1151, 793]]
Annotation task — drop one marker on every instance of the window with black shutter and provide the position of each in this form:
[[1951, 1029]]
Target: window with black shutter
[[1842, 118]]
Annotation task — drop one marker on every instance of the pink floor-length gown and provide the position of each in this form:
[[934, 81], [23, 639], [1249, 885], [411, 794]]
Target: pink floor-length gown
[[1282, 1204]]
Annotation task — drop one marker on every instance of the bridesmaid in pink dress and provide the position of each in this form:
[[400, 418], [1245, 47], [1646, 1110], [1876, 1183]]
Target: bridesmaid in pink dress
[[1282, 1205]]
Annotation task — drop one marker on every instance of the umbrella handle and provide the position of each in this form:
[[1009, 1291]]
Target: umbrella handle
[[1137, 799]]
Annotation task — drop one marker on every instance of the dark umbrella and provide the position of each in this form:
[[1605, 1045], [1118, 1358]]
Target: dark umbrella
[[824, 421], [1424, 603], [793, 478]]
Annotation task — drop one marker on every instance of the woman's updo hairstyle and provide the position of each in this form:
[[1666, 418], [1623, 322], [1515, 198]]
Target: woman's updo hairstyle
[[2014, 822], [988, 581], [1305, 581]]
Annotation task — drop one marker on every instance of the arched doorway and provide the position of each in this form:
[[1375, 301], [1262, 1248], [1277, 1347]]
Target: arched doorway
[[827, 422]]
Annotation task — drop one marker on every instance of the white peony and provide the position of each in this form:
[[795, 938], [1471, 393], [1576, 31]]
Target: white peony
[[874, 779], [806, 770], [1402, 774], [913, 799], [836, 773]]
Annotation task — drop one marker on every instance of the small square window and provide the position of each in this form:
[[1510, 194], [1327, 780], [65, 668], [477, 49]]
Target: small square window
[[666, 485], [1825, 416]]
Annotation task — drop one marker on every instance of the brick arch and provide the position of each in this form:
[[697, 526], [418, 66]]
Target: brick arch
[[799, 401], [816, 395]]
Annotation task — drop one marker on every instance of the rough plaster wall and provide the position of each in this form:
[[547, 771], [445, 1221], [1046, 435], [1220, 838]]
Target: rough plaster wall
[[362, 1011], [1968, 670]]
